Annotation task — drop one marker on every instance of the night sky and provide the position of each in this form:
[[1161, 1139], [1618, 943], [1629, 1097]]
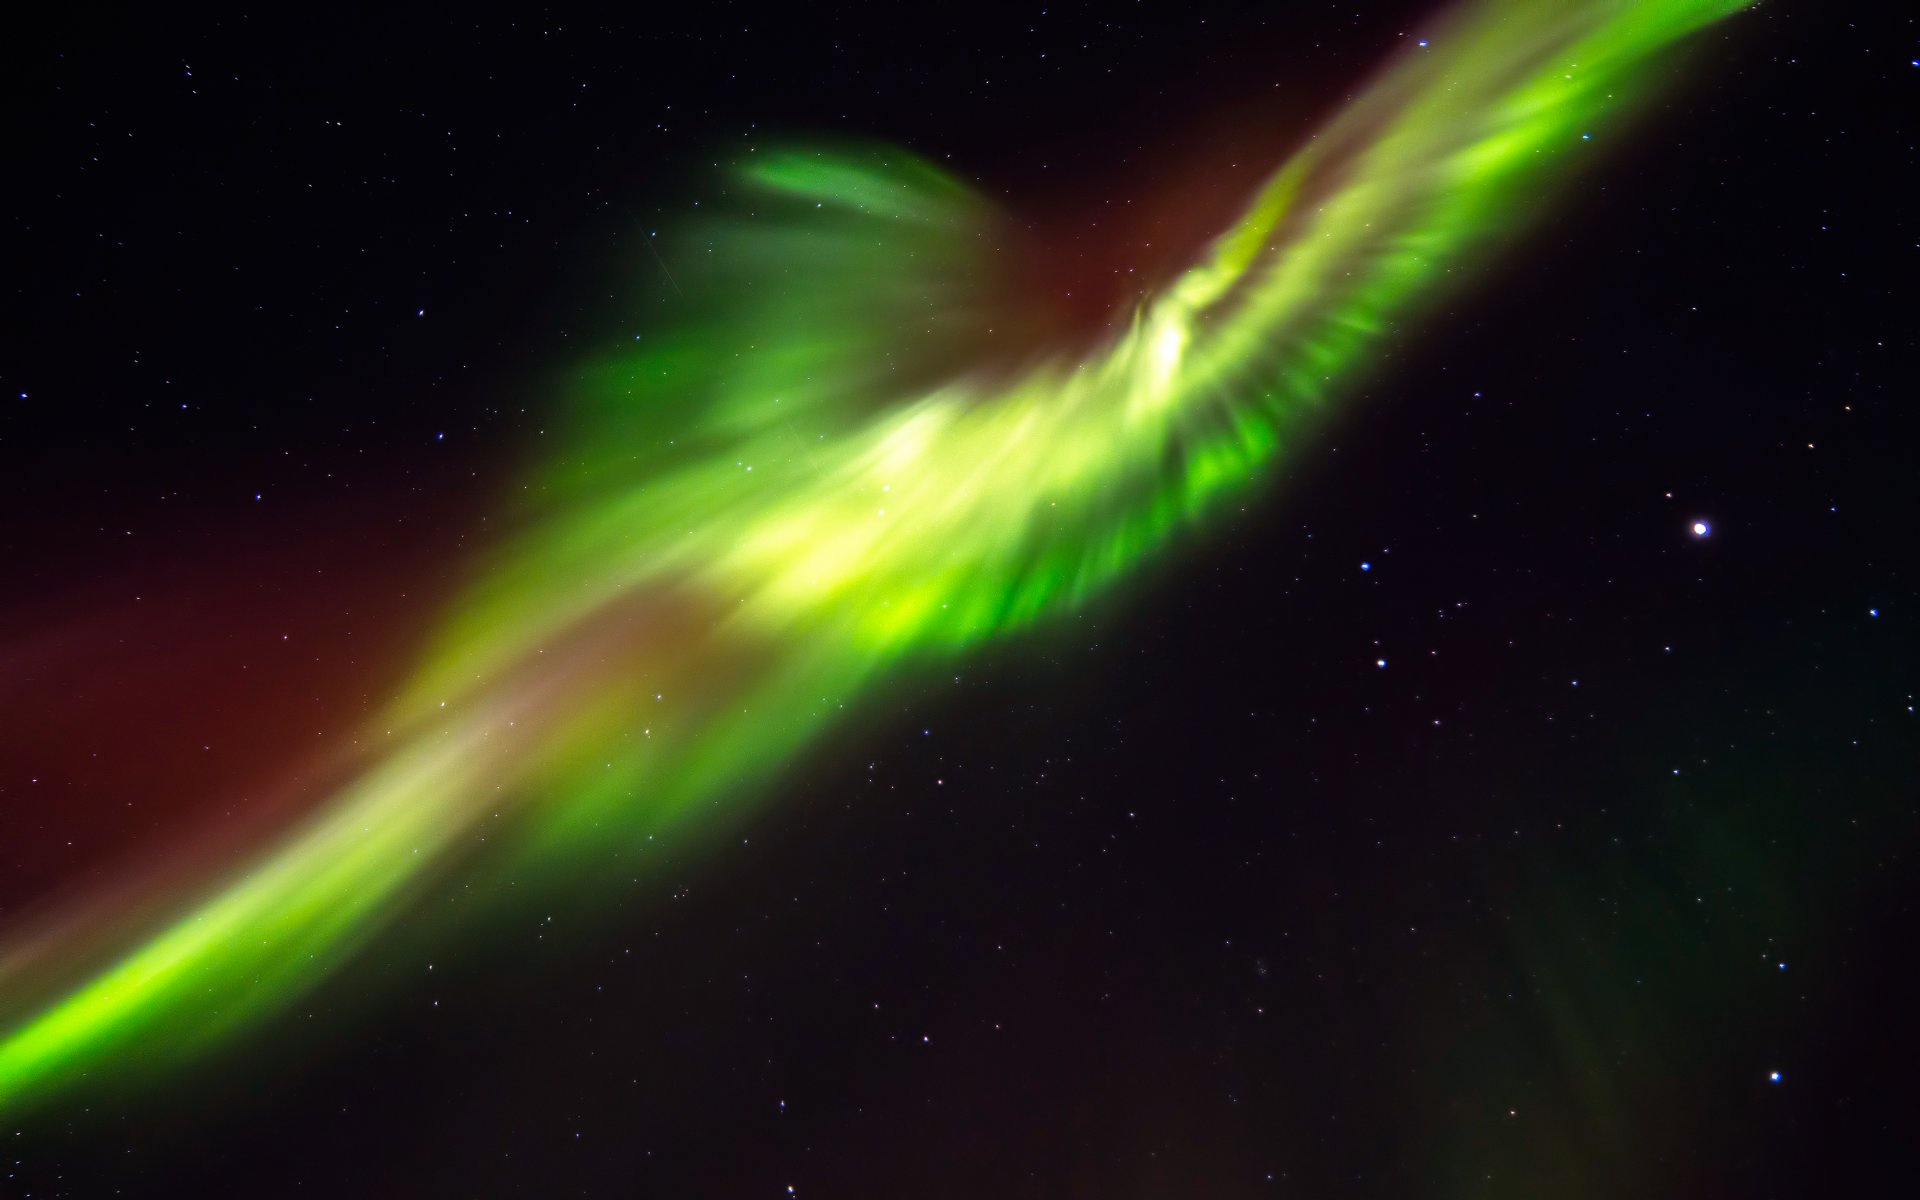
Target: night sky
[[1447, 819]]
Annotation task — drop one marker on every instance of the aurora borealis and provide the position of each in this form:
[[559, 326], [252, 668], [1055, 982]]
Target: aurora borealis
[[855, 445], [807, 528]]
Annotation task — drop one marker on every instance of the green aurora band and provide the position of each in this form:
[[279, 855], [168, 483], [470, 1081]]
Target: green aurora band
[[810, 483]]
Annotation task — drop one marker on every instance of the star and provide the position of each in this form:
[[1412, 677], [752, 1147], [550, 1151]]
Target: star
[[1701, 529]]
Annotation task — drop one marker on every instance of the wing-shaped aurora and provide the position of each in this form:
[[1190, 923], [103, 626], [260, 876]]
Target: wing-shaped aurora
[[824, 474]]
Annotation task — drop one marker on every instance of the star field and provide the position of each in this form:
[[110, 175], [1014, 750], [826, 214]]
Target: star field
[[1513, 799]]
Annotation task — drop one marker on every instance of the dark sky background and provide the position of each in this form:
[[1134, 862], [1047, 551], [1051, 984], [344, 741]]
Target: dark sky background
[[1205, 903]]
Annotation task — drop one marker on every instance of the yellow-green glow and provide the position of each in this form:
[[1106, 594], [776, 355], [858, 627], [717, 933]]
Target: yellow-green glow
[[827, 468]]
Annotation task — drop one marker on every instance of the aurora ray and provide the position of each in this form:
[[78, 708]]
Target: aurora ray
[[824, 474]]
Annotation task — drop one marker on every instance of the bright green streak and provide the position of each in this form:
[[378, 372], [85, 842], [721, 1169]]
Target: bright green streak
[[903, 501]]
